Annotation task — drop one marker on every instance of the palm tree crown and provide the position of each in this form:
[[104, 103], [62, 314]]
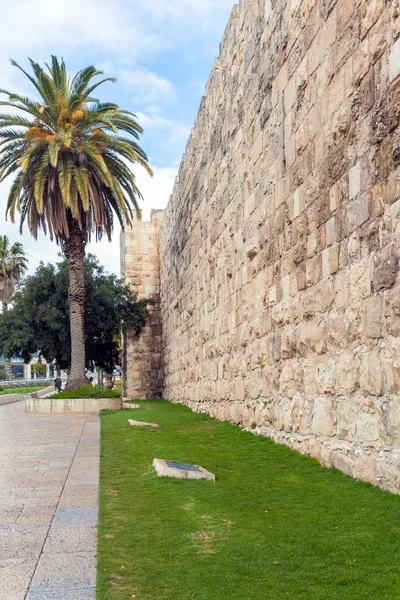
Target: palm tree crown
[[69, 154], [13, 264]]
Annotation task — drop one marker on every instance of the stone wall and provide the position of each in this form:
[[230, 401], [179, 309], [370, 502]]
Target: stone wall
[[280, 290], [140, 266]]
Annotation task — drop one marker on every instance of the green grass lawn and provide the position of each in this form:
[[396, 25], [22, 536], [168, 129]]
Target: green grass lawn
[[21, 390], [275, 525]]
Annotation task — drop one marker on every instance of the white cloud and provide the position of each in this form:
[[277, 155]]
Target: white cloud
[[37, 27], [205, 14], [36, 24], [147, 86], [172, 131]]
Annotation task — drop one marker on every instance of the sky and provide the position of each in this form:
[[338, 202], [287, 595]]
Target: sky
[[160, 51]]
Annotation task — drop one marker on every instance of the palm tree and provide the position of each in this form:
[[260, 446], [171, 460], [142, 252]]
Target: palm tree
[[13, 264], [70, 155]]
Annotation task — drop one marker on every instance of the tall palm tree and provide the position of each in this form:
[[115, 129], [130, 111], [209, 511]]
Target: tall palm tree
[[13, 264], [70, 158]]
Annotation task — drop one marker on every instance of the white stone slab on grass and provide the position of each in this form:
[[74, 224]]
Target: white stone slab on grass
[[168, 468], [142, 424]]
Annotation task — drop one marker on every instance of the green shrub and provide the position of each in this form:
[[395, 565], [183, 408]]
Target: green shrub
[[3, 374], [39, 368], [87, 391]]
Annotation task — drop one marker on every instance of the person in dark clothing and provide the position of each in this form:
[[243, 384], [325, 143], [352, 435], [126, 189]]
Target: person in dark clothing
[[57, 384]]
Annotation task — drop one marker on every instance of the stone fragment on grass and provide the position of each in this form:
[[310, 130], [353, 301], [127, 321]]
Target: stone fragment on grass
[[129, 406], [142, 424]]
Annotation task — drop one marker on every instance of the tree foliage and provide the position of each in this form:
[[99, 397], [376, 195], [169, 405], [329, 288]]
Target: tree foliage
[[13, 264], [39, 368], [39, 318], [69, 154]]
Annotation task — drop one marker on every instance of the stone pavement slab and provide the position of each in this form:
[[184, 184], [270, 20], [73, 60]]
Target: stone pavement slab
[[88, 594], [64, 570], [49, 467]]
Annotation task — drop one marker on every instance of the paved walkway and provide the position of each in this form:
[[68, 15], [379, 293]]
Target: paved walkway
[[49, 466]]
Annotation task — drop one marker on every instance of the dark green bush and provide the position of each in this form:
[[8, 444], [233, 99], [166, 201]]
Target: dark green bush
[[87, 391]]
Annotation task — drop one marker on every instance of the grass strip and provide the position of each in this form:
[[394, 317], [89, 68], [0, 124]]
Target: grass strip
[[275, 524], [21, 390]]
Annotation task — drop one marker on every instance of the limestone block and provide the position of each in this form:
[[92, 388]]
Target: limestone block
[[394, 61], [341, 289], [391, 363], [289, 343], [347, 412], [373, 317], [324, 417], [326, 6], [371, 375], [380, 37], [301, 339], [316, 337], [310, 380], [371, 10], [345, 374], [324, 375], [324, 295], [385, 268], [343, 462], [330, 232], [355, 181], [267, 10], [388, 470], [368, 422], [360, 279], [291, 379], [336, 336], [391, 420], [365, 468]]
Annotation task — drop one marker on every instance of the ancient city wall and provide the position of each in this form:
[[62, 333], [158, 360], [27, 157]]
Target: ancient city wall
[[140, 265], [280, 290]]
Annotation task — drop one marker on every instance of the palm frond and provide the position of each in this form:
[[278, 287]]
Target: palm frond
[[70, 155]]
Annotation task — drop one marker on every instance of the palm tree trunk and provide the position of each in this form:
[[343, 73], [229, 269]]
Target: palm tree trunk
[[108, 380], [7, 361], [74, 250]]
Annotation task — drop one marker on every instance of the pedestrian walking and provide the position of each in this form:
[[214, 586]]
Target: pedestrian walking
[[58, 384]]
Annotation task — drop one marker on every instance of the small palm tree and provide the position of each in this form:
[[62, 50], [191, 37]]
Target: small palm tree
[[13, 264], [69, 155]]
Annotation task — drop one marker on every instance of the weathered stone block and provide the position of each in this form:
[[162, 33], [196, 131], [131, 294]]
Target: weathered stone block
[[391, 419], [371, 375], [324, 417], [355, 181], [391, 364], [373, 317], [386, 265], [394, 61], [345, 374]]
